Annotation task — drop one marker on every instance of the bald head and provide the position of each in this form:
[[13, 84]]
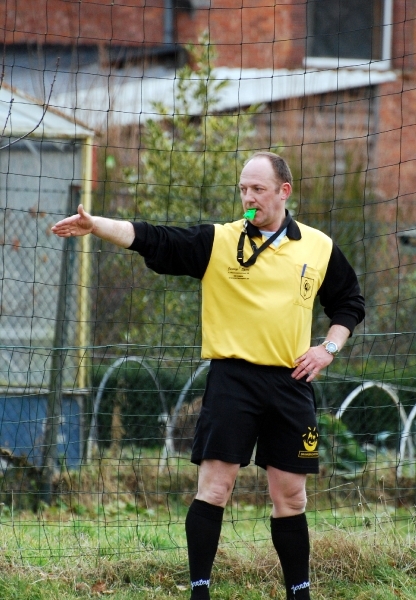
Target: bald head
[[280, 167]]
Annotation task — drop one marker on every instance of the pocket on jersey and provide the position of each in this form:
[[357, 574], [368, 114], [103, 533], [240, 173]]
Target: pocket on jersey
[[306, 286]]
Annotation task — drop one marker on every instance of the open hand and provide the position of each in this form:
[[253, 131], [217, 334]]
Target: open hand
[[79, 224]]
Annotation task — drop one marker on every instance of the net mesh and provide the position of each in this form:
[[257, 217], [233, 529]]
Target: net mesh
[[105, 103]]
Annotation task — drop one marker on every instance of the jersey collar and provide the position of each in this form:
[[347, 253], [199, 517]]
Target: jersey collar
[[293, 231]]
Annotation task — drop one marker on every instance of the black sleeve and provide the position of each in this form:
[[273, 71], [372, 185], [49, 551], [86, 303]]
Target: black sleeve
[[340, 293], [174, 250]]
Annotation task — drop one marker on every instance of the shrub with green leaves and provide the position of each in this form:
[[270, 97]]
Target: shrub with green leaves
[[338, 448]]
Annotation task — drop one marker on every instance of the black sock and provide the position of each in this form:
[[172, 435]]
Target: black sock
[[290, 537], [203, 527]]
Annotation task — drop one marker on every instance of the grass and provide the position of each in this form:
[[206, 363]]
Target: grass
[[344, 565], [117, 529], [140, 554]]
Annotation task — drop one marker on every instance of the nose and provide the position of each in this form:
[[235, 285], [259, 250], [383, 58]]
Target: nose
[[249, 196]]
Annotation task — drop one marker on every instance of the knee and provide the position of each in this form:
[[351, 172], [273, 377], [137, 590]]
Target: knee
[[215, 493], [297, 501], [289, 503], [216, 481]]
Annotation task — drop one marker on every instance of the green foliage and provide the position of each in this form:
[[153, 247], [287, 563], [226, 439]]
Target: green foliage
[[190, 160], [375, 419], [333, 200], [398, 286], [338, 447]]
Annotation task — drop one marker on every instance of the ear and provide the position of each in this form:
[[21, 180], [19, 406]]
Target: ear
[[286, 190]]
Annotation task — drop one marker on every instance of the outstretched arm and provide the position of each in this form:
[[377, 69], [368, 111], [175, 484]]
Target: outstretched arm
[[120, 233]]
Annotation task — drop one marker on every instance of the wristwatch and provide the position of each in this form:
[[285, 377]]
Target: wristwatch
[[330, 347]]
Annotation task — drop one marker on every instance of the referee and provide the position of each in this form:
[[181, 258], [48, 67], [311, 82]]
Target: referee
[[260, 276]]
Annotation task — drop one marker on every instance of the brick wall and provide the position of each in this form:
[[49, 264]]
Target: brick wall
[[395, 156], [259, 34], [404, 35], [86, 22]]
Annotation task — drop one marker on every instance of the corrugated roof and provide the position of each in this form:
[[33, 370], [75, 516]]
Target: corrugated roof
[[21, 114], [130, 100]]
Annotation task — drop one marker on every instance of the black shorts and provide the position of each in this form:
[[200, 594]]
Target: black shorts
[[246, 404]]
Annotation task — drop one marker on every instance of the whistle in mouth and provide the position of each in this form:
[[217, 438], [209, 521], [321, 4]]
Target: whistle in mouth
[[250, 213]]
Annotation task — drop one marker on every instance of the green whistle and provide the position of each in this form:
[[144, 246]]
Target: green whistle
[[250, 213]]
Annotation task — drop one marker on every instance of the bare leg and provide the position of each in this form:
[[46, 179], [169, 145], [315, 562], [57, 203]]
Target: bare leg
[[287, 491], [216, 481]]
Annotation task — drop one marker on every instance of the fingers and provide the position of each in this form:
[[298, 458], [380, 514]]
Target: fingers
[[311, 363], [306, 369], [65, 228], [312, 375], [78, 224]]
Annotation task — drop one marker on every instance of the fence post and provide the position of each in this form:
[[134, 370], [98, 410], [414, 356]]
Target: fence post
[[54, 403]]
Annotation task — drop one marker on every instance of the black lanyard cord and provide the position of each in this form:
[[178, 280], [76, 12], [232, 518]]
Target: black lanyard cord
[[256, 250]]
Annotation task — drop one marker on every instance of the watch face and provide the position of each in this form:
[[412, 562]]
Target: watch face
[[331, 347]]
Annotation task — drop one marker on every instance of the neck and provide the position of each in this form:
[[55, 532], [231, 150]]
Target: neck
[[276, 225]]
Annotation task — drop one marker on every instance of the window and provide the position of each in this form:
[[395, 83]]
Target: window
[[348, 33]]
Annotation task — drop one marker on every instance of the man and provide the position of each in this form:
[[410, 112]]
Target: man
[[259, 277]]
